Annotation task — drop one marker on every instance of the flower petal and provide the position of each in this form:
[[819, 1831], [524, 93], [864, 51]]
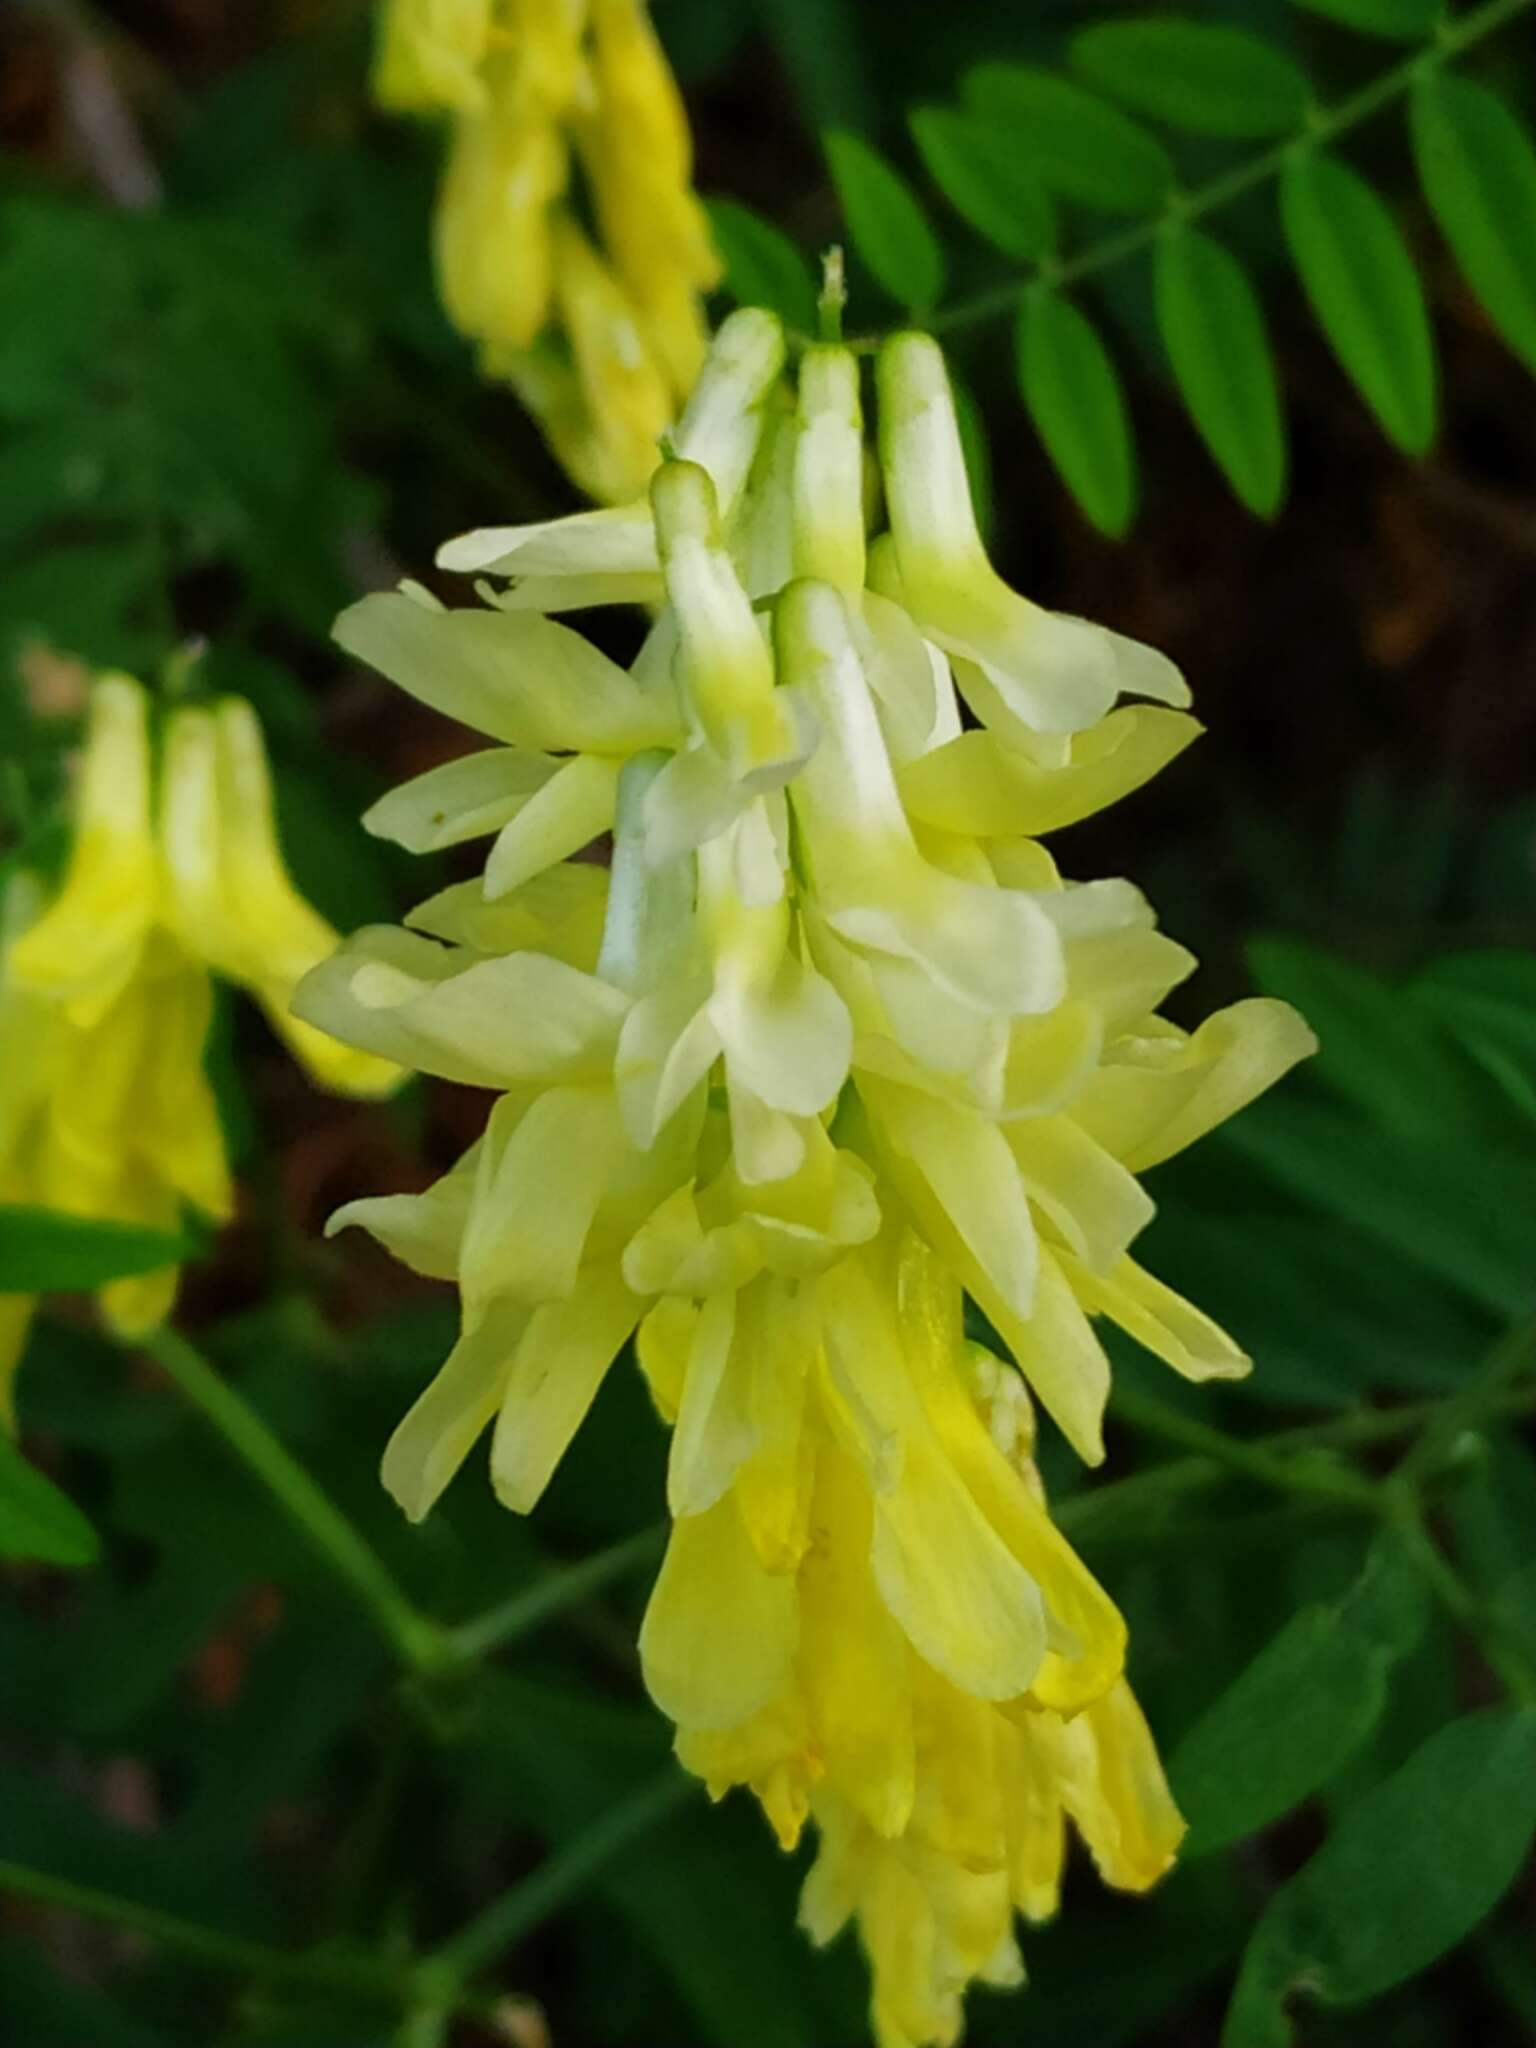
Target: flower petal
[[561, 1362], [719, 1635]]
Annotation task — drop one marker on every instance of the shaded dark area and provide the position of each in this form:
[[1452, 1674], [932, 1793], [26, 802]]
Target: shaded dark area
[[228, 404]]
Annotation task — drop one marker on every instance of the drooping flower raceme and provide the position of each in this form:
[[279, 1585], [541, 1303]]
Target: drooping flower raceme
[[599, 332], [105, 989], [828, 1046]]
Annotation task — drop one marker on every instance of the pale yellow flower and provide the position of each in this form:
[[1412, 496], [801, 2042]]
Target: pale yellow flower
[[602, 339], [105, 989], [820, 1052]]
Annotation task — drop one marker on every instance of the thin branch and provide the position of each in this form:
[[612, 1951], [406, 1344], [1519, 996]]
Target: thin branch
[[418, 1639], [526, 1906], [552, 1594], [1327, 124]]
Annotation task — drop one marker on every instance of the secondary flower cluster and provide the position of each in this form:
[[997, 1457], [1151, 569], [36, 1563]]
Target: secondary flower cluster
[[105, 991], [827, 1047], [599, 333]]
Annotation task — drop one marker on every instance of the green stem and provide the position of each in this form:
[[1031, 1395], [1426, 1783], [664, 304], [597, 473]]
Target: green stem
[[1504, 1655], [355, 1973], [1324, 125], [419, 1641], [526, 1906], [1285, 1472], [1081, 1514], [1483, 1391], [552, 1594]]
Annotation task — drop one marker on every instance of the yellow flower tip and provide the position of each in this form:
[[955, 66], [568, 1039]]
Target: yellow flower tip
[[429, 55], [133, 1308], [16, 1311], [86, 946]]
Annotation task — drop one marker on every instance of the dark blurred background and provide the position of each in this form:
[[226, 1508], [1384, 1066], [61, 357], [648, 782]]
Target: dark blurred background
[[228, 403]]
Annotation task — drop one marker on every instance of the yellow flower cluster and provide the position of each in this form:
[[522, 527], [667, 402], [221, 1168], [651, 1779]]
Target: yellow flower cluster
[[105, 990], [599, 332], [827, 1047]]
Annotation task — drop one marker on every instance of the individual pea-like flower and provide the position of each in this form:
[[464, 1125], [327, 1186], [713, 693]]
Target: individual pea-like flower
[[883, 1633], [174, 874], [820, 1051], [551, 102]]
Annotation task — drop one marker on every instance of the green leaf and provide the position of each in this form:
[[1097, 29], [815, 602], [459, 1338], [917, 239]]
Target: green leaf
[[1299, 1710], [762, 265], [1365, 291], [1401, 20], [1514, 1607], [1198, 75], [1493, 1512], [984, 174], [1077, 403], [888, 229], [1410, 1870], [1462, 1211], [43, 1251], [1478, 169], [1275, 1285], [37, 1522], [1076, 143], [1375, 1049], [1488, 1000], [1214, 333]]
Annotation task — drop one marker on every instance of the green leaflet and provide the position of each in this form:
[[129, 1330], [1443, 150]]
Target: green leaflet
[[762, 265], [888, 229], [43, 1251], [1403, 20], [1214, 332], [1076, 400], [1077, 143], [1203, 76], [1303, 1706], [986, 175], [1488, 1002], [1461, 1211], [1410, 1869], [1478, 169], [1388, 1056], [37, 1522], [1365, 290]]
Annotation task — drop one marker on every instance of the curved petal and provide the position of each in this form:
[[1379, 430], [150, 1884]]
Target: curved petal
[[719, 1635]]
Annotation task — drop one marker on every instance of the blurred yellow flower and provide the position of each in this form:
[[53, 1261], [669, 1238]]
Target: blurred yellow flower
[[105, 989], [827, 1047], [601, 338]]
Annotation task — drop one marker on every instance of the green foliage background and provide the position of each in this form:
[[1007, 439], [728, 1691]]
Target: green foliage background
[[276, 1769]]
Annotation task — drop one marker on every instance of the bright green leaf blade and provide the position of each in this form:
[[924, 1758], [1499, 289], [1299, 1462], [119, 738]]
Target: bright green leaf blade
[[1077, 403], [1076, 143], [1401, 20], [1299, 1710], [1460, 1211], [37, 1522], [1365, 291], [1478, 169], [981, 170], [762, 265], [1488, 1002], [1374, 1048], [1409, 1871], [1493, 993], [888, 229], [43, 1251], [1202, 76], [1214, 333]]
